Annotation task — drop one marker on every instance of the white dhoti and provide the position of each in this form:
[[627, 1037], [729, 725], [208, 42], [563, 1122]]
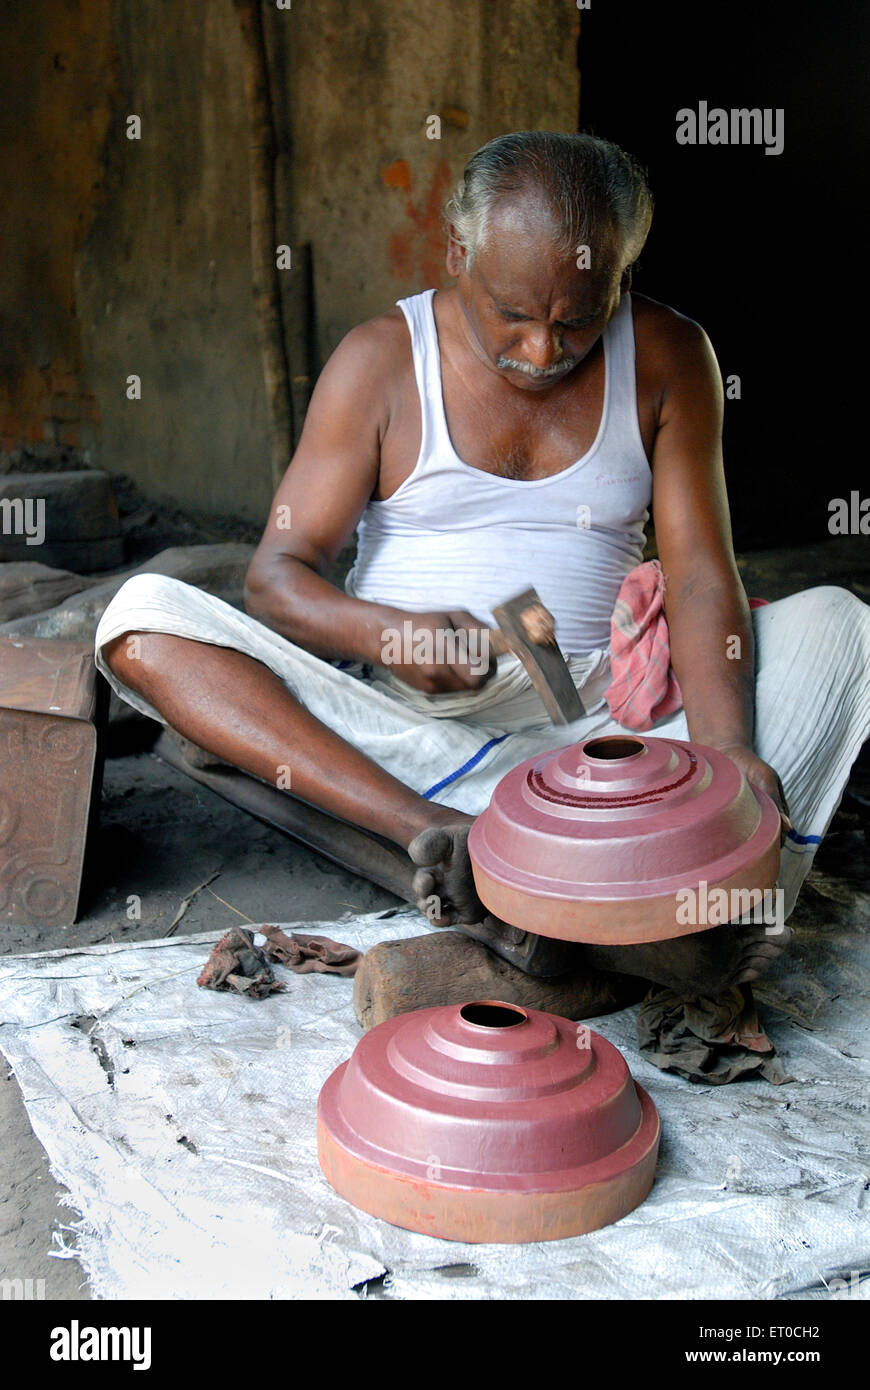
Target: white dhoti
[[812, 702]]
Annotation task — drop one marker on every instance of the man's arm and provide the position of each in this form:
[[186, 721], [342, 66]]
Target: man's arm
[[317, 505], [314, 512], [712, 647]]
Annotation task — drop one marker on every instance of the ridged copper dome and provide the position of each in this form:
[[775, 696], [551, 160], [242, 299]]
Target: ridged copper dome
[[488, 1122], [594, 842]]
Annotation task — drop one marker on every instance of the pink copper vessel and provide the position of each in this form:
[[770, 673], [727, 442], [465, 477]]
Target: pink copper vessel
[[595, 842], [488, 1122]]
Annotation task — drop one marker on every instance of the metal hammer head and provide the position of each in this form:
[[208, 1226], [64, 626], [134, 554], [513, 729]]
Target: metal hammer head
[[528, 631]]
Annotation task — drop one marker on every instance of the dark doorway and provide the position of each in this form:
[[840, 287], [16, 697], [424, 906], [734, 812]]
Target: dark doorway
[[765, 251]]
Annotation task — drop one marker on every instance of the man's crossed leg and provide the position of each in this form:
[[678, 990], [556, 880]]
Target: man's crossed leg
[[234, 706]]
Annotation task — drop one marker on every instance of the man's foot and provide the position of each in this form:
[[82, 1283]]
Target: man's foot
[[447, 897], [444, 883], [704, 964]]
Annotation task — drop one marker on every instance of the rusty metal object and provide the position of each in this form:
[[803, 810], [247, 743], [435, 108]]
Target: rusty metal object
[[52, 704], [488, 1122], [542, 659], [596, 841]]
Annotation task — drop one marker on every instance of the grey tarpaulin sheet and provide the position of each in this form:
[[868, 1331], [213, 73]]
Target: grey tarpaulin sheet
[[183, 1125]]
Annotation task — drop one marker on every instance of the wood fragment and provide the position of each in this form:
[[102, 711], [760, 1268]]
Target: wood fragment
[[446, 967], [265, 276], [185, 902]]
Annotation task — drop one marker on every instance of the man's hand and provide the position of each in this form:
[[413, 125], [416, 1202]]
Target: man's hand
[[762, 777], [462, 650], [445, 652]]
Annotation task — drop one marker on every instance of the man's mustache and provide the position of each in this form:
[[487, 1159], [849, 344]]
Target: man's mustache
[[558, 368]]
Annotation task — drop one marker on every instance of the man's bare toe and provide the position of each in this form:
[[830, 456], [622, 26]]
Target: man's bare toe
[[444, 883], [431, 846], [759, 953], [423, 883]]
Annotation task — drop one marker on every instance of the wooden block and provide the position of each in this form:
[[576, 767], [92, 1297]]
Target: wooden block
[[446, 967], [52, 707]]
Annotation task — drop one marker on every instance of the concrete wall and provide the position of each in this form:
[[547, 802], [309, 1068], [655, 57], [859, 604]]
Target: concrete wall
[[147, 241], [358, 86], [163, 281], [57, 75]]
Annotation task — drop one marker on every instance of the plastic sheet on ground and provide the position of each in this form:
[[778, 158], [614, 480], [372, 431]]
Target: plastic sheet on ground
[[183, 1123]]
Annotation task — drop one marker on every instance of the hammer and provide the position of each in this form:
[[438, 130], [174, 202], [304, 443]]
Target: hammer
[[526, 628]]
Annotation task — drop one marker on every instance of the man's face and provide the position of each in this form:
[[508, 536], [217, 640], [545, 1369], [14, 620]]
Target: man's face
[[532, 314]]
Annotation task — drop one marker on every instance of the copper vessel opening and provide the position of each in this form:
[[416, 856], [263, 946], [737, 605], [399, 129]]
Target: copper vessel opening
[[487, 1013], [614, 747]]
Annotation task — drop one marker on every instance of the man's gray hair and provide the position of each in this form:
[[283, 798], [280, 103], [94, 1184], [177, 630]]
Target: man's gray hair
[[592, 187]]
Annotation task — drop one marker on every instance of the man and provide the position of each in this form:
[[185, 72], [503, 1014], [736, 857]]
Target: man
[[464, 433]]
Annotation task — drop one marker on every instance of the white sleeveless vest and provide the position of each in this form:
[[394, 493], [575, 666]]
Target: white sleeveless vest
[[452, 536]]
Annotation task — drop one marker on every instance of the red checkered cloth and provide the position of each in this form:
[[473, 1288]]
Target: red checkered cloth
[[644, 687]]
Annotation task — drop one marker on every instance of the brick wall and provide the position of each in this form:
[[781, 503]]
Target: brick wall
[[54, 423]]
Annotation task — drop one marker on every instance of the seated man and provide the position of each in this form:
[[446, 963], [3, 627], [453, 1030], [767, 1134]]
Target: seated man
[[510, 431]]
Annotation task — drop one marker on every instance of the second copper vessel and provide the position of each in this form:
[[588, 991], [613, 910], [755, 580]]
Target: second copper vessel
[[488, 1122]]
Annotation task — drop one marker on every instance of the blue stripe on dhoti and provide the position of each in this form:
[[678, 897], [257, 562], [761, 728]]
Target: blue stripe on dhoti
[[466, 767]]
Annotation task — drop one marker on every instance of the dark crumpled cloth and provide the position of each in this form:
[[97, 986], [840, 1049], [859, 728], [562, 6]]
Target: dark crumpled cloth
[[305, 954], [707, 1040], [236, 963]]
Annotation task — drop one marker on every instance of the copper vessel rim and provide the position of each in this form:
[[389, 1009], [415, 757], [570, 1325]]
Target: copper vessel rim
[[612, 741], [538, 911], [500, 1007]]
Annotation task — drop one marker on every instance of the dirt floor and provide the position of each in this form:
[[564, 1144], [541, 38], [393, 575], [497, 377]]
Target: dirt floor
[[161, 836]]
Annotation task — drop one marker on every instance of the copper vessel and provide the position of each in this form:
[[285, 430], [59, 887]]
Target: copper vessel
[[488, 1122], [605, 841]]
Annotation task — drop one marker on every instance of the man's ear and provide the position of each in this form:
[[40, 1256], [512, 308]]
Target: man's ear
[[456, 253]]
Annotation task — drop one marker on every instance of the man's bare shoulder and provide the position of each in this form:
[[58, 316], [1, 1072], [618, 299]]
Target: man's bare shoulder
[[666, 338], [364, 372], [659, 324], [375, 343]]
